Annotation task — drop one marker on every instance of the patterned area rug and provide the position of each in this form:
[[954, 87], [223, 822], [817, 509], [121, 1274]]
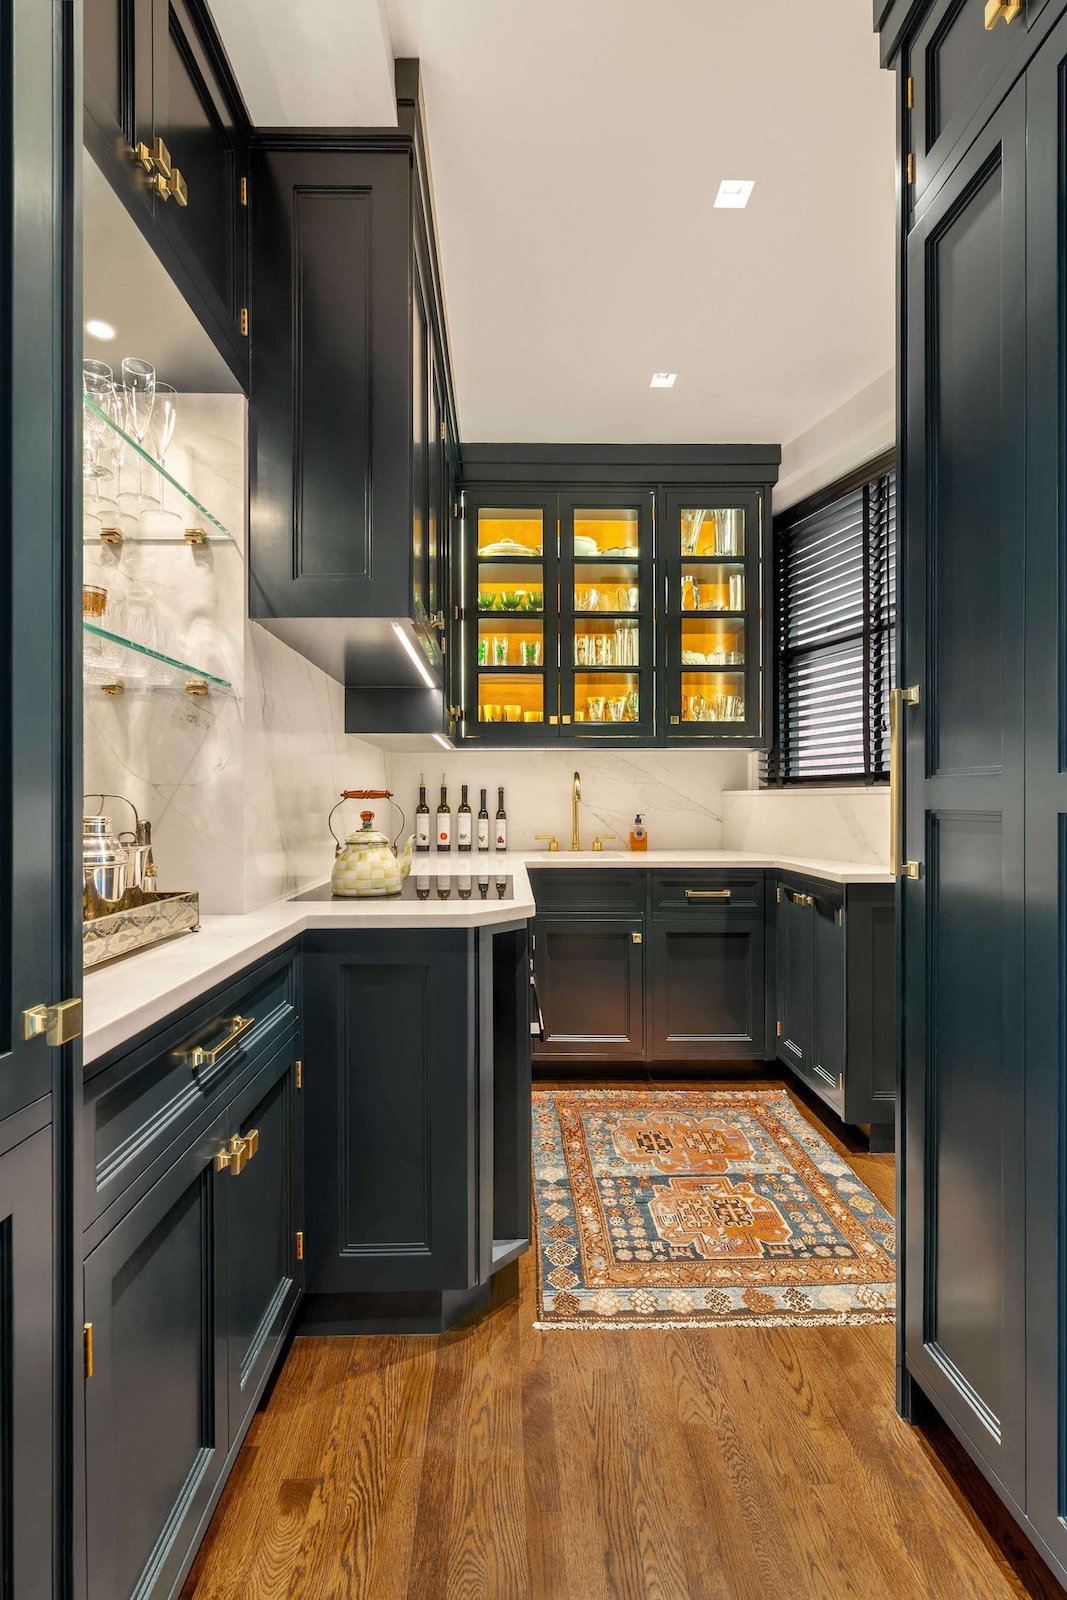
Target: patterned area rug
[[702, 1208]]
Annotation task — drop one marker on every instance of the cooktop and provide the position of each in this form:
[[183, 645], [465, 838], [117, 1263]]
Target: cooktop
[[480, 883]]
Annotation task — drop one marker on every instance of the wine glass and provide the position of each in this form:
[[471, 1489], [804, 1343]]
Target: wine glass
[[164, 419], [98, 387], [139, 389]]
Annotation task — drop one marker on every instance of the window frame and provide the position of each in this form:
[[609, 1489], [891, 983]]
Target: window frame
[[774, 773]]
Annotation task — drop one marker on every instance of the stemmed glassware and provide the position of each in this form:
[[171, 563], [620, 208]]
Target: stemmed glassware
[[164, 420], [139, 389]]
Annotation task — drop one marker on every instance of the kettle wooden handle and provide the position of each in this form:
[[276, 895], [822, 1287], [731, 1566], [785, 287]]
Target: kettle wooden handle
[[366, 794]]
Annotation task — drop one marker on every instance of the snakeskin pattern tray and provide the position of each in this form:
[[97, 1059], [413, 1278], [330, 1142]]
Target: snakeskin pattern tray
[[123, 933]]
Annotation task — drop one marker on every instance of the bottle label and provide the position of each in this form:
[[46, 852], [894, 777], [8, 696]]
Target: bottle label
[[444, 833], [463, 830], [422, 832], [501, 834], [483, 833]]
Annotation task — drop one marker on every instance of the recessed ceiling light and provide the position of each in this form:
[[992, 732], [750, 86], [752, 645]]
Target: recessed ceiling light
[[99, 330], [733, 193], [663, 380]]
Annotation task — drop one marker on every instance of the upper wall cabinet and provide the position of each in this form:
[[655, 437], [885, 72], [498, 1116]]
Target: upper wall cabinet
[[165, 122], [353, 432], [615, 594]]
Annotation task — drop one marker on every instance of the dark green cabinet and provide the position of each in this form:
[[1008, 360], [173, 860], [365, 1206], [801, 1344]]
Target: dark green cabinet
[[352, 420], [591, 986], [794, 981], [418, 1048], [26, 1364], [962, 975], [165, 122], [155, 1405], [189, 1287], [615, 595], [708, 972]]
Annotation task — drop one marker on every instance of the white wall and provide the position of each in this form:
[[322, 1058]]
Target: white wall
[[835, 824], [237, 787], [679, 793], [855, 432]]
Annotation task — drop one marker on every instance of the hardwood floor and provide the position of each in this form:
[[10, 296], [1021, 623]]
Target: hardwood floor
[[497, 1463]]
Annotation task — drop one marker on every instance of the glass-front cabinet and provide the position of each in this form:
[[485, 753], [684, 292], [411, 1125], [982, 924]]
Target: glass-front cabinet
[[711, 558], [607, 652], [607, 615], [512, 586]]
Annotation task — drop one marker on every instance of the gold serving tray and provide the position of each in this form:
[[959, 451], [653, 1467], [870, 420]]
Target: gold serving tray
[[123, 932]]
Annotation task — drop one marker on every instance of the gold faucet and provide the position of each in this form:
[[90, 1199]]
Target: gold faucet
[[576, 800]]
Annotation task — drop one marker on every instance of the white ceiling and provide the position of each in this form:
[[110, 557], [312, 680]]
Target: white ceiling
[[576, 147]]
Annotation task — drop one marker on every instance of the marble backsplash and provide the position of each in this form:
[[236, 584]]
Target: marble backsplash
[[836, 824], [678, 793]]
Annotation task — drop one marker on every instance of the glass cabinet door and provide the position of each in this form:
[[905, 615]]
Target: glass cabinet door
[[607, 634], [711, 552], [511, 691]]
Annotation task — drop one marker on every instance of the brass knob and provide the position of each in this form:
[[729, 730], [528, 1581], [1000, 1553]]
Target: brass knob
[[161, 157], [179, 188], [143, 155], [160, 187]]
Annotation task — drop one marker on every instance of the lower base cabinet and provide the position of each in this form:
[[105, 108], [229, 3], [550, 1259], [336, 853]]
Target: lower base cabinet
[[591, 983], [187, 1296], [835, 1023], [417, 1122], [26, 1357]]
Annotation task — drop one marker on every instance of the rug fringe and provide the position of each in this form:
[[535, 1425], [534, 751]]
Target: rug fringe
[[845, 1319]]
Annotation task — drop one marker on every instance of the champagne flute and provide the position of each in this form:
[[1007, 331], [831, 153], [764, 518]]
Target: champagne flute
[[164, 420], [139, 389]]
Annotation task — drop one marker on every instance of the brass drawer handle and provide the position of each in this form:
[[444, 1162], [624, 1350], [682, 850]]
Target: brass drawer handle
[[708, 894], [200, 1057], [235, 1156]]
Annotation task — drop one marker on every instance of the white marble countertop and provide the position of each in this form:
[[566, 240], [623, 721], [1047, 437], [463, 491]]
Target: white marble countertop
[[122, 999]]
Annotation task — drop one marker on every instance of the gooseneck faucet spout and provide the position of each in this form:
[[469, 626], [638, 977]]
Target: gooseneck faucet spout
[[576, 800]]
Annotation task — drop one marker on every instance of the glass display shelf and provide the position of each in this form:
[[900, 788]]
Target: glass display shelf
[[712, 641], [713, 695], [712, 533], [116, 664], [515, 588], [187, 522], [510, 641], [511, 696], [603, 695], [612, 534], [510, 535]]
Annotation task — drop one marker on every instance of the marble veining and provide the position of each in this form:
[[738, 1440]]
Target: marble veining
[[839, 824]]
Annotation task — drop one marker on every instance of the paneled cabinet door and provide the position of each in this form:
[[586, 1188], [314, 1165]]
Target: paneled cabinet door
[[199, 205], [1046, 788], [828, 987], [512, 617], [707, 995], [117, 84], [389, 1105], [962, 980], [263, 1213], [155, 1405], [954, 63], [794, 981], [591, 983], [26, 1368]]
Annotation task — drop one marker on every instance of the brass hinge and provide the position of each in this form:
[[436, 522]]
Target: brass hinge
[[778, 895], [299, 1074], [444, 433], [911, 94], [87, 1346], [455, 613], [59, 1024], [911, 167], [300, 1246], [244, 321], [244, 189], [779, 1030]]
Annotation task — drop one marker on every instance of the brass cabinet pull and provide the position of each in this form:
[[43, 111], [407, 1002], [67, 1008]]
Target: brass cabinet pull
[[199, 1057], [636, 938], [898, 699], [178, 188], [160, 187], [708, 894], [161, 158], [995, 9], [235, 1156], [143, 155], [799, 899]]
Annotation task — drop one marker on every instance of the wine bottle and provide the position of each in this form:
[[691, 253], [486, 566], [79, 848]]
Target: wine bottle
[[444, 820], [501, 822], [464, 823], [422, 818], [483, 825]]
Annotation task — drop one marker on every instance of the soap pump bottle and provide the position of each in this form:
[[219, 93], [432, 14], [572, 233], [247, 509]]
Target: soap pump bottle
[[638, 834]]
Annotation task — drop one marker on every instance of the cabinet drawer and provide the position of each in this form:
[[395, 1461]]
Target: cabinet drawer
[[136, 1106], [678, 890], [588, 891]]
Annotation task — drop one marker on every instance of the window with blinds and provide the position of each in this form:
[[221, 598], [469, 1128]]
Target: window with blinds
[[835, 611]]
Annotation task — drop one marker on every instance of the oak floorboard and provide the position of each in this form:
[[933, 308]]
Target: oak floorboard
[[501, 1462]]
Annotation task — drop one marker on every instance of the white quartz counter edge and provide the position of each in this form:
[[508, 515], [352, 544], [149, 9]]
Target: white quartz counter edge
[[123, 999], [809, 866]]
